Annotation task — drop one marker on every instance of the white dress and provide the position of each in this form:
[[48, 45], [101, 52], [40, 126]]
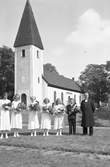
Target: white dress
[[16, 117], [5, 116], [46, 118], [59, 117], [33, 119]]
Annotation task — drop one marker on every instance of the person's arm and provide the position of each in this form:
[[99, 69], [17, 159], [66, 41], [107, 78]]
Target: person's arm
[[93, 106]]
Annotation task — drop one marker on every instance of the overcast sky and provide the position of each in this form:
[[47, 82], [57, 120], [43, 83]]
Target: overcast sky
[[74, 33]]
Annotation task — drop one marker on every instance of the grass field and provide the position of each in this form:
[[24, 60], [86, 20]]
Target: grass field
[[59, 151]]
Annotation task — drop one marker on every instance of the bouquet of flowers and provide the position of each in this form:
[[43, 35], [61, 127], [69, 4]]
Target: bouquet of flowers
[[60, 110], [6, 106], [48, 109], [34, 107], [51, 111], [21, 106]]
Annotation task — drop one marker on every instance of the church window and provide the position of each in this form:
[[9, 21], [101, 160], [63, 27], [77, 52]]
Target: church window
[[62, 97], [38, 79], [23, 53], [54, 96], [37, 54], [75, 97], [79, 98]]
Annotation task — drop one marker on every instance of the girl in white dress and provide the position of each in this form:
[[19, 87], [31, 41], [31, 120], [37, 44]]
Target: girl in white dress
[[16, 116], [33, 115], [46, 117], [5, 115], [59, 111]]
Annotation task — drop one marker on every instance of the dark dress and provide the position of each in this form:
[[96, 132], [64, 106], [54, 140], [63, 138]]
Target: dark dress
[[87, 109]]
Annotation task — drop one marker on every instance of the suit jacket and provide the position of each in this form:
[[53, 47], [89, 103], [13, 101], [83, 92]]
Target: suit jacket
[[71, 114], [87, 109]]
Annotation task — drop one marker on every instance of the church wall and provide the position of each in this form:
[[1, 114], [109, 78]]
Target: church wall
[[66, 95], [36, 72], [44, 90]]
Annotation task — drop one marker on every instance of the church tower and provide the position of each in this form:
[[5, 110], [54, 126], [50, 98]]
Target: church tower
[[28, 58]]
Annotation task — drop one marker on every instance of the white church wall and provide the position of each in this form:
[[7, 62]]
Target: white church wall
[[44, 90], [66, 95], [36, 59]]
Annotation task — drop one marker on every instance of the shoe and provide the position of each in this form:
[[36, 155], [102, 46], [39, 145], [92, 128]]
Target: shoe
[[17, 135], [31, 134], [14, 135], [1, 136], [35, 135], [6, 136]]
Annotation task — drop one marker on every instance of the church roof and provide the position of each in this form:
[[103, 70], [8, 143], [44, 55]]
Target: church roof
[[28, 33], [61, 82]]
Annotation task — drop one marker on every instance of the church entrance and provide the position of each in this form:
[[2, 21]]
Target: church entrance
[[24, 98]]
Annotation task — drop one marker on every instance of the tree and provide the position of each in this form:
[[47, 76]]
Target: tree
[[51, 68], [7, 71], [94, 80]]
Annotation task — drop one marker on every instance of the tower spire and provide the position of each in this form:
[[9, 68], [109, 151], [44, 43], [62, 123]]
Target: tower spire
[[28, 33]]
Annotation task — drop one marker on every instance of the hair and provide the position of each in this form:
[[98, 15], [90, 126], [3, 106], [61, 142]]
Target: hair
[[5, 93], [15, 96], [46, 99], [73, 100], [57, 101], [33, 97]]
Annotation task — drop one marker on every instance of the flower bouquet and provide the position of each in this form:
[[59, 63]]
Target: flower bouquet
[[34, 107], [21, 106], [51, 111], [60, 110], [48, 109], [6, 106]]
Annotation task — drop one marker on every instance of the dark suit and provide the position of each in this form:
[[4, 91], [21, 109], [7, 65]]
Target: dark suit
[[87, 109], [71, 119]]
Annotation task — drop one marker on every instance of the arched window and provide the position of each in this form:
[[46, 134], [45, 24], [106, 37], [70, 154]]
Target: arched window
[[24, 98], [37, 54], [75, 97], [38, 79], [55, 96], [79, 98], [23, 53], [62, 97]]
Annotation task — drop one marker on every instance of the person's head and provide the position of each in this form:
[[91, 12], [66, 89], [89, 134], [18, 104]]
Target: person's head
[[72, 101], [86, 95], [5, 95], [46, 101], [58, 101], [32, 98], [17, 97]]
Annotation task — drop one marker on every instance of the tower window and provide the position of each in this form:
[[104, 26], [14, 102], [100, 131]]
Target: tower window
[[37, 54], [23, 53], [38, 79]]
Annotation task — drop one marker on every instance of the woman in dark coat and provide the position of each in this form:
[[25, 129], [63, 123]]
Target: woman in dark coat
[[87, 108]]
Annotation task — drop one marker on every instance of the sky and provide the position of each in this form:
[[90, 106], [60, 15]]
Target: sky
[[74, 33]]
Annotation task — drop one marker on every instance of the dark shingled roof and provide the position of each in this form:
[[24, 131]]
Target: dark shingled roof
[[57, 81], [28, 33]]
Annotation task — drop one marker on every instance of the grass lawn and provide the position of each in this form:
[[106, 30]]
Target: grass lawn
[[59, 151], [55, 151]]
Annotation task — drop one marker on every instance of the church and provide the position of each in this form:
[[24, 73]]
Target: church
[[30, 77]]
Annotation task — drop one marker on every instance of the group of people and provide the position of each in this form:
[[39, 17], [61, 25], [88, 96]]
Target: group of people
[[11, 115]]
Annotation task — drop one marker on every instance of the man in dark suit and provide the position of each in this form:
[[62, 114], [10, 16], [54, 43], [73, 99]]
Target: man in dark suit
[[71, 111], [87, 108]]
